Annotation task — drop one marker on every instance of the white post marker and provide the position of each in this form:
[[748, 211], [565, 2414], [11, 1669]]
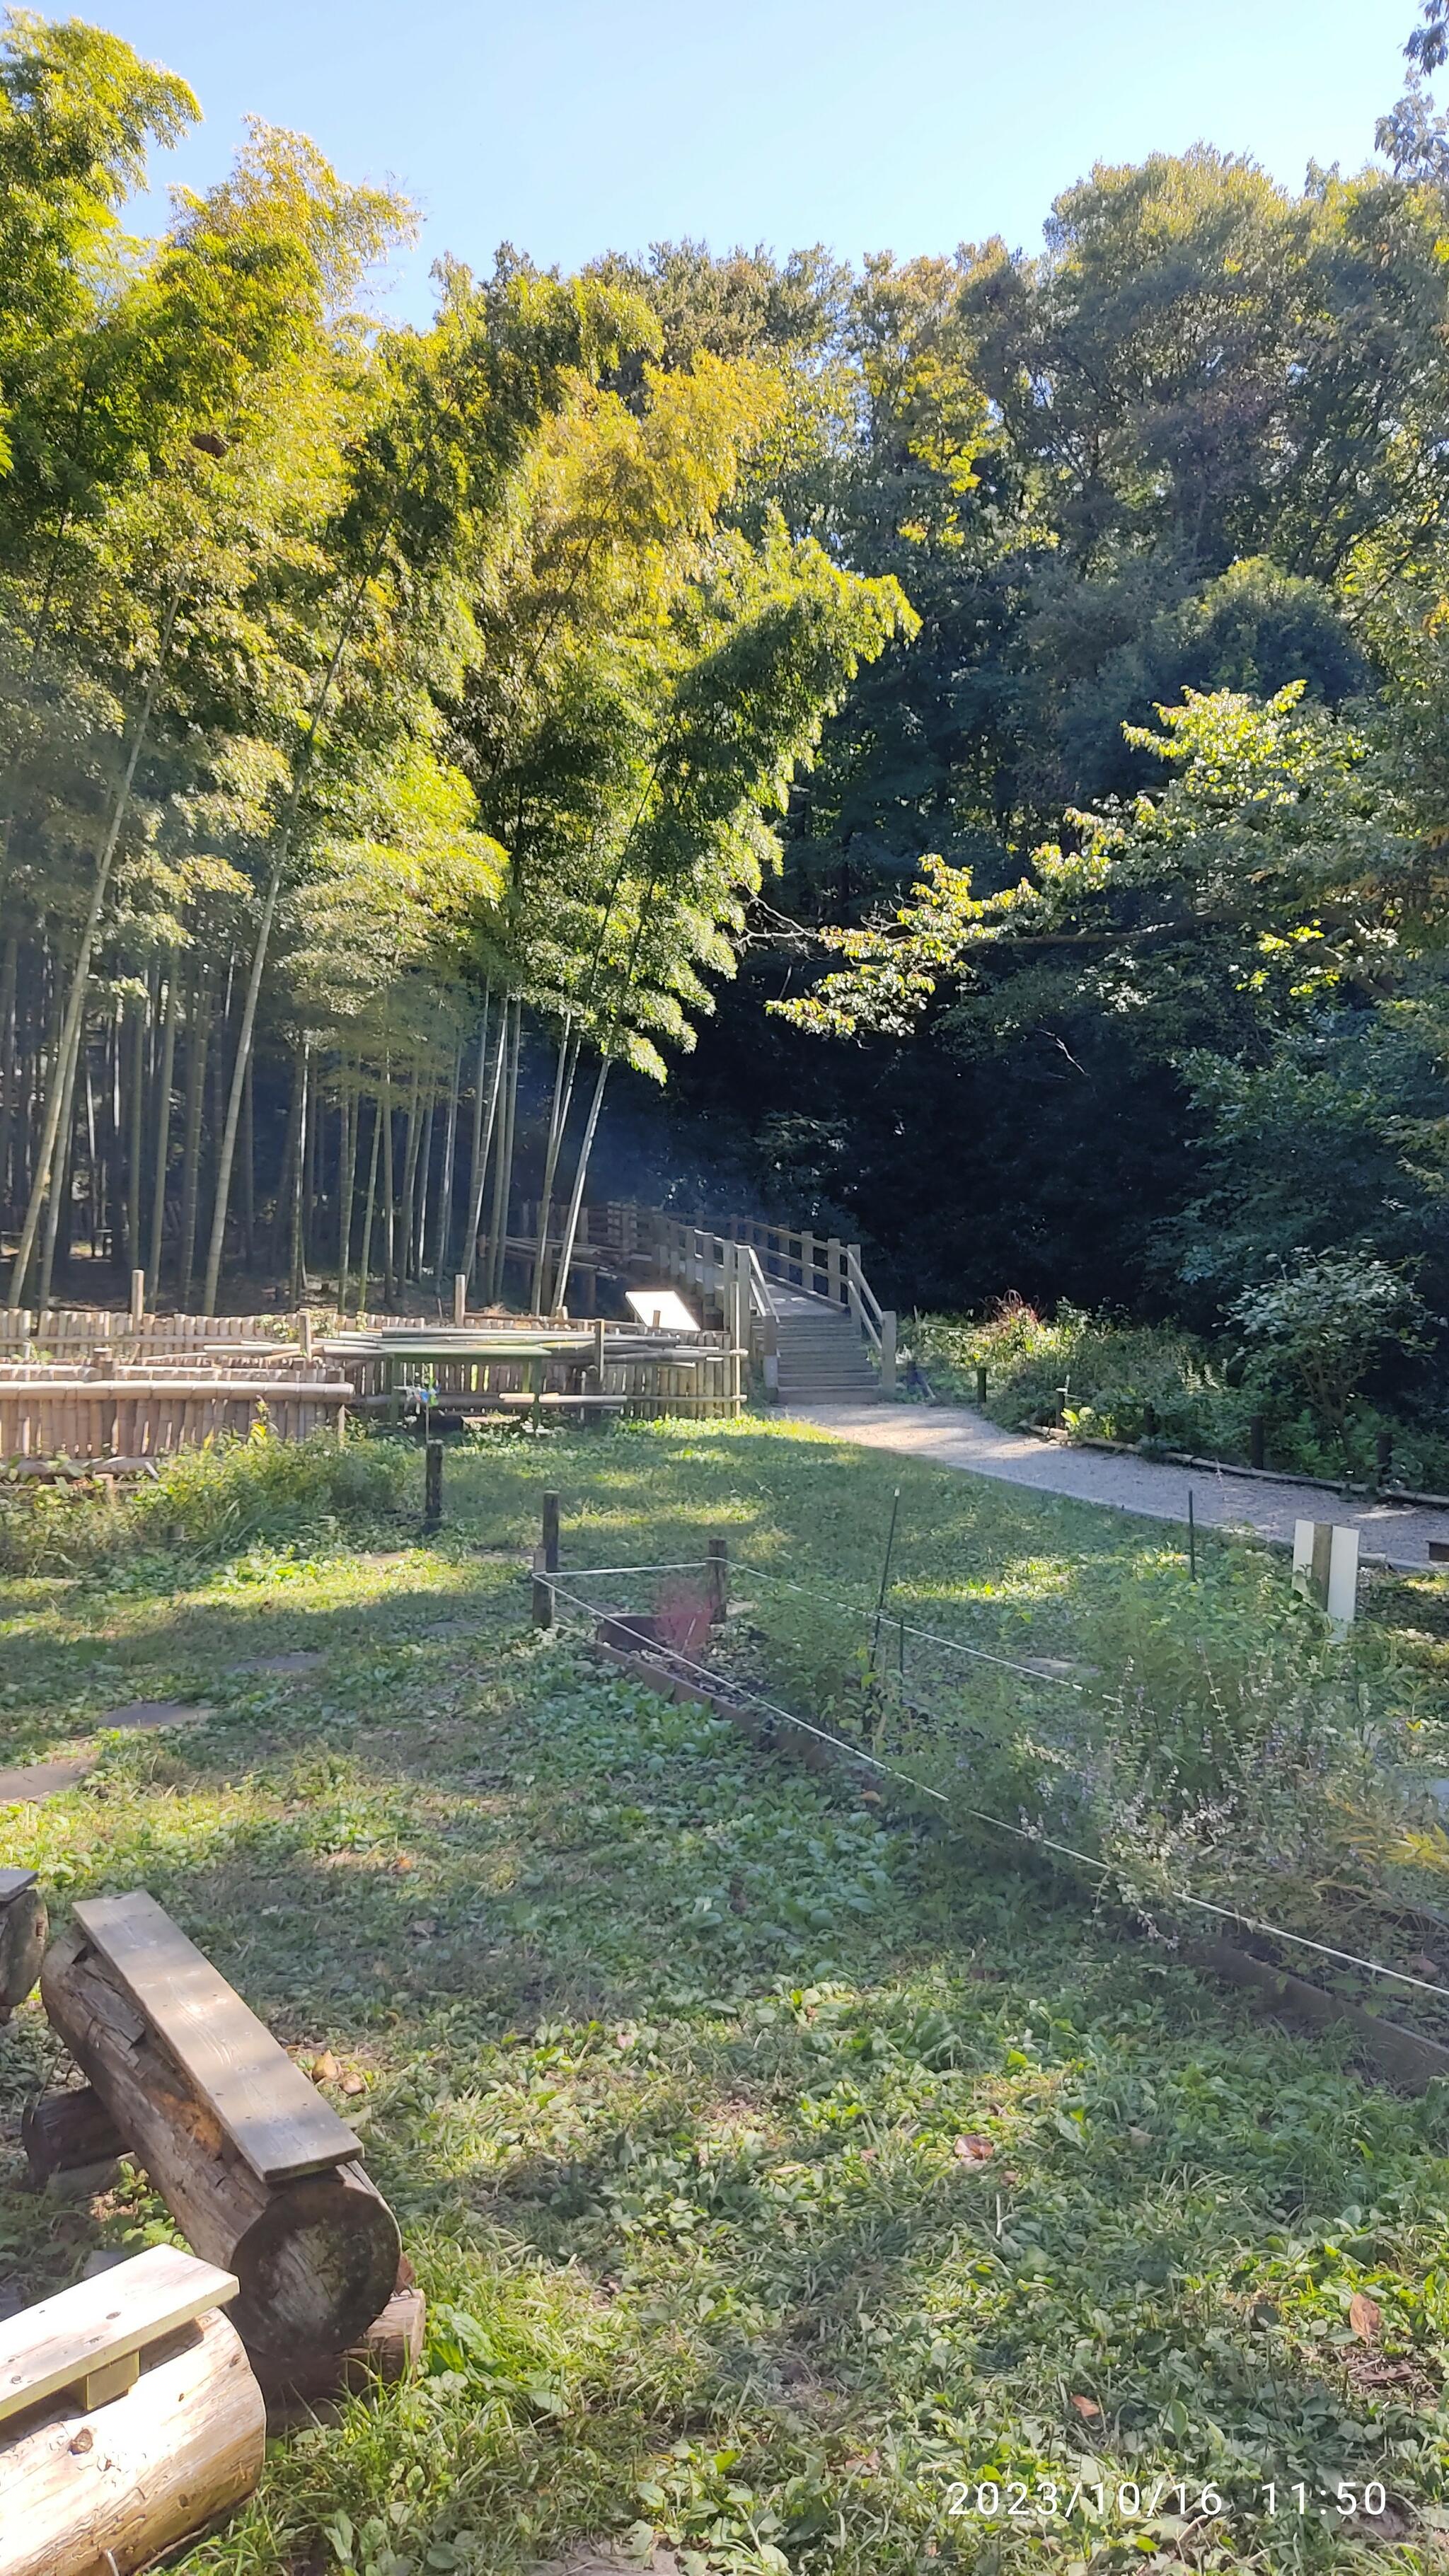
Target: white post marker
[[1325, 1569]]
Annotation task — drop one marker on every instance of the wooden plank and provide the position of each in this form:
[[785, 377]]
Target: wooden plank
[[274, 2117], [86, 2336]]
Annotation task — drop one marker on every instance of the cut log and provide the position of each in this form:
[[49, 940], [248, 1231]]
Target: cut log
[[87, 2492], [391, 2347], [24, 1927], [316, 2258], [65, 2132]]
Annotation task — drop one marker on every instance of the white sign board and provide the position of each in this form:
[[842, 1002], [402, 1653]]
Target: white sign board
[[661, 1308]]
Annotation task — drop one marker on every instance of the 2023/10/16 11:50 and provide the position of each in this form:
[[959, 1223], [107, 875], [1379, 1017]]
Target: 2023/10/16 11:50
[[1153, 2499]]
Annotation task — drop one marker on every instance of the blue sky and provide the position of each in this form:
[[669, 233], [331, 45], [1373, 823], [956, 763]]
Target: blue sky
[[569, 128]]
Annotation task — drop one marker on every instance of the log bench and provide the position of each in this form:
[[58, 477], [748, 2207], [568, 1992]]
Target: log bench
[[258, 2170], [24, 1923], [129, 2418]]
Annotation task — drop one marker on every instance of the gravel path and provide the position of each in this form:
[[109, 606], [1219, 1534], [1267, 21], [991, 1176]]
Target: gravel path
[[952, 1435]]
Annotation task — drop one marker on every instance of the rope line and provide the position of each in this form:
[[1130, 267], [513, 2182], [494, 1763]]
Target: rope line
[[931, 1636], [687, 1565], [1021, 1833]]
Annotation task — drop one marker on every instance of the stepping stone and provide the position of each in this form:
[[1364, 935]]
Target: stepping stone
[[41, 1780], [147, 1713], [302, 1660]]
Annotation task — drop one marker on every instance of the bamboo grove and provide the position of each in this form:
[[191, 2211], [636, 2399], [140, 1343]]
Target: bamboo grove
[[381, 707]]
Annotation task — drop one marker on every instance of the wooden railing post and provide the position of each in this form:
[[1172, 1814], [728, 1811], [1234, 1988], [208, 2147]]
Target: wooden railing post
[[807, 1263], [737, 1319], [832, 1265], [887, 1351], [852, 1276], [138, 1299]]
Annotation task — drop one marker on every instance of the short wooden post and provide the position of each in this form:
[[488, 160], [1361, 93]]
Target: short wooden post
[[304, 1332], [772, 1356], [1383, 1457], [550, 1533], [138, 1299], [888, 1351], [596, 1372], [394, 1401], [716, 1577], [833, 1259], [542, 1595], [460, 1297], [1256, 1441], [433, 1485], [981, 1381]]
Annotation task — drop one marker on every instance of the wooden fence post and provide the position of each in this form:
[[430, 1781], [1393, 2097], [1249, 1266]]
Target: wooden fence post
[[717, 1579], [433, 1485], [832, 1265], [138, 1299], [807, 1264], [304, 1332], [542, 1595], [550, 1533], [887, 1351], [460, 1297], [852, 1281], [981, 1381]]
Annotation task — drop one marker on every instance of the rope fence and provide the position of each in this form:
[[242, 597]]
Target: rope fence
[[724, 1688]]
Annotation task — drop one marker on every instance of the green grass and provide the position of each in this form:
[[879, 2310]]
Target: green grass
[[668, 2050]]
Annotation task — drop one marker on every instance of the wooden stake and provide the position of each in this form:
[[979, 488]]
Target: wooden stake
[[717, 1579], [433, 1485], [460, 1297], [138, 1299], [885, 1575], [550, 1534]]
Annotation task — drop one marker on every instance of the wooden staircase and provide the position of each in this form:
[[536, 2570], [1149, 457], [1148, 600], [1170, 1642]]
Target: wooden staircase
[[822, 1357], [798, 1306]]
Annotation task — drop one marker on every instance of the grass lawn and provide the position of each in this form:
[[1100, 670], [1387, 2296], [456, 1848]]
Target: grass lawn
[[781, 2174]]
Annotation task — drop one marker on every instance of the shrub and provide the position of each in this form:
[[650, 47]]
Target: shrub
[[209, 1502], [1326, 1322]]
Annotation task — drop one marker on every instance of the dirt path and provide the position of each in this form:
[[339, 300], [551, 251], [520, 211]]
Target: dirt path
[[955, 1436]]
